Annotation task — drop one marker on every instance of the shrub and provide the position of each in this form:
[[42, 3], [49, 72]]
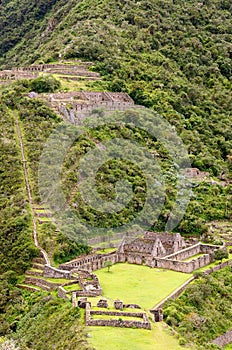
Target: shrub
[[44, 84]]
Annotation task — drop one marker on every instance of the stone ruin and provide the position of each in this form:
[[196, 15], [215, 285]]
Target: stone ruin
[[166, 251], [16, 74], [90, 262], [144, 249], [195, 173], [103, 303], [78, 70], [75, 106], [82, 302], [89, 285], [156, 250], [114, 318], [118, 304]]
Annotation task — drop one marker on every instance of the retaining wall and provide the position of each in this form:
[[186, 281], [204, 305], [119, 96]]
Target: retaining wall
[[52, 272], [224, 339], [41, 283], [62, 293], [116, 323], [184, 266]]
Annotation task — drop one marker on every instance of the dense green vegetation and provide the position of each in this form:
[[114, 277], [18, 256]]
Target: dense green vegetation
[[18, 309], [202, 207], [37, 121], [203, 311], [173, 56], [17, 248]]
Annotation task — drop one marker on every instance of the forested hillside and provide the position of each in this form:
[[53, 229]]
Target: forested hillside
[[203, 311], [17, 246], [172, 56]]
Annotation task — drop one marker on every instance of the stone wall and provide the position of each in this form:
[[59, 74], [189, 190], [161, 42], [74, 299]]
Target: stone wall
[[224, 339], [185, 253], [174, 261], [171, 262], [8, 75], [52, 272], [184, 266], [192, 250], [88, 293], [80, 111], [62, 293], [39, 282], [173, 295], [90, 262], [144, 323], [117, 313], [218, 267]]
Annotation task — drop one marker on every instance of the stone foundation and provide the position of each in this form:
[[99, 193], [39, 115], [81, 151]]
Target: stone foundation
[[144, 323]]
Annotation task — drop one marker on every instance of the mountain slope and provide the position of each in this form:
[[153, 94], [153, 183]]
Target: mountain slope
[[174, 57]]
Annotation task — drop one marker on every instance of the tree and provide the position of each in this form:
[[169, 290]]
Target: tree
[[44, 84], [108, 264], [221, 254]]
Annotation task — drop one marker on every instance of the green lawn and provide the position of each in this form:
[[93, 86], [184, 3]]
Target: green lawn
[[139, 284], [146, 287], [105, 338], [72, 287]]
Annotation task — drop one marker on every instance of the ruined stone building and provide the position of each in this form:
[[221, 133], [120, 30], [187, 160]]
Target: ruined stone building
[[152, 245], [153, 249]]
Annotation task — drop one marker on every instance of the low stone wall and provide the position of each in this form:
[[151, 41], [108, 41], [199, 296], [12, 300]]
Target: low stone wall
[[41, 283], [52, 272], [90, 262], [132, 306], [184, 266], [179, 290], [34, 273], [117, 313], [62, 293], [116, 323], [218, 267], [88, 293], [224, 339]]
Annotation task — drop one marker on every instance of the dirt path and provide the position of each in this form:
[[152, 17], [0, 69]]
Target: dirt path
[[24, 161]]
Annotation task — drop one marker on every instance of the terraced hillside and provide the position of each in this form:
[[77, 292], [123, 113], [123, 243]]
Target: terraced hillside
[[173, 57]]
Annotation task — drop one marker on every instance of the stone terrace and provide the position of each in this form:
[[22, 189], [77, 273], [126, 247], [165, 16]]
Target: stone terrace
[[70, 70]]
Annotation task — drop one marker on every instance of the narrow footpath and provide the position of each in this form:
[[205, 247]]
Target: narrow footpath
[[24, 162]]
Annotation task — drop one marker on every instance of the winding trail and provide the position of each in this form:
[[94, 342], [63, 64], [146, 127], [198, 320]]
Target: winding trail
[[24, 162]]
